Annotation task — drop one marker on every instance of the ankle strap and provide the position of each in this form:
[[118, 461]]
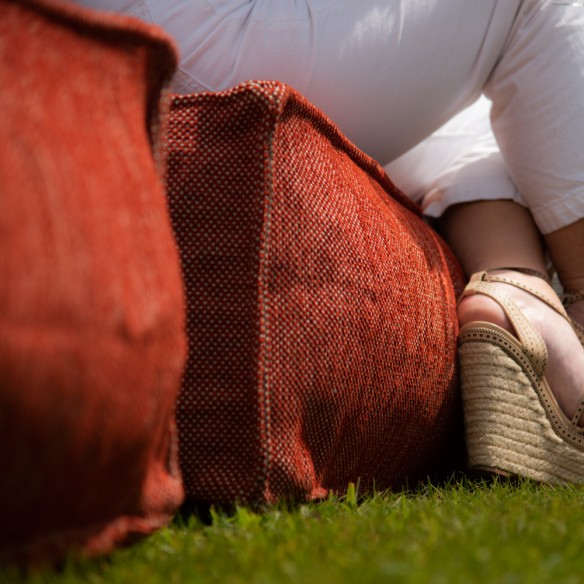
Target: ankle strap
[[571, 296], [486, 277], [527, 271]]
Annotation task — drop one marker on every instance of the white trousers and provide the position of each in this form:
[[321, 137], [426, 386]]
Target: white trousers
[[394, 74]]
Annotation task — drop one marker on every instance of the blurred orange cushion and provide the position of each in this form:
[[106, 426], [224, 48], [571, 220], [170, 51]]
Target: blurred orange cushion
[[321, 308], [91, 305]]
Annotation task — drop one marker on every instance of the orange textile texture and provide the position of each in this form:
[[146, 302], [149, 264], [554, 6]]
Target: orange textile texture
[[321, 308], [92, 345]]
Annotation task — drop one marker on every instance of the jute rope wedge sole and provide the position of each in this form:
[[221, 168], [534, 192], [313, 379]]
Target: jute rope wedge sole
[[513, 422]]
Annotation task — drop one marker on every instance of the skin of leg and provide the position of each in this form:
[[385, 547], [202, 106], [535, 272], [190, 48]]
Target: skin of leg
[[566, 247], [486, 235]]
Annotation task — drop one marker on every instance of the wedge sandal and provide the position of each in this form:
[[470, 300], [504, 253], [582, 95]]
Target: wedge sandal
[[514, 426]]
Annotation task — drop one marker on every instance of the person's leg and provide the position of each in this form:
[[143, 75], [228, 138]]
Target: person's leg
[[537, 89], [566, 247], [387, 72], [459, 163], [487, 235]]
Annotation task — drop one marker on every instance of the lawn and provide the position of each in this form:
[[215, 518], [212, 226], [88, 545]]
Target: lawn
[[463, 532]]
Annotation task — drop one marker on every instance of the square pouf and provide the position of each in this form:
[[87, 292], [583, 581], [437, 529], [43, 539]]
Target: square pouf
[[92, 341], [321, 308]]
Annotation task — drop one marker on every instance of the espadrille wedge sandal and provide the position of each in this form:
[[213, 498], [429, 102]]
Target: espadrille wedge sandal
[[569, 297], [513, 422]]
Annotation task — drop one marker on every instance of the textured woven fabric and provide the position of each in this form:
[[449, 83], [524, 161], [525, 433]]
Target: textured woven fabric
[[91, 304], [321, 308]]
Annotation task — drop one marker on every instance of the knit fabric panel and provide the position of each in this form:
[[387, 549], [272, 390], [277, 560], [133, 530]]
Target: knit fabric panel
[[92, 342], [321, 308]]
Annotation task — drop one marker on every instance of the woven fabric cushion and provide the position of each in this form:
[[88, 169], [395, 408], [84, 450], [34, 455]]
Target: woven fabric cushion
[[321, 307], [91, 305]]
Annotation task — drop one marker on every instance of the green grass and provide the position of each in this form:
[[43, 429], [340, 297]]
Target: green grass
[[463, 532]]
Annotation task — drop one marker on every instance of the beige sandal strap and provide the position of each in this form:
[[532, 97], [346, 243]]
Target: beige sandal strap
[[527, 271], [578, 414], [571, 296], [532, 342], [554, 305]]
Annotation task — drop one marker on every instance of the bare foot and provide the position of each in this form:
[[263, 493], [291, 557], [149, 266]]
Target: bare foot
[[565, 368]]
